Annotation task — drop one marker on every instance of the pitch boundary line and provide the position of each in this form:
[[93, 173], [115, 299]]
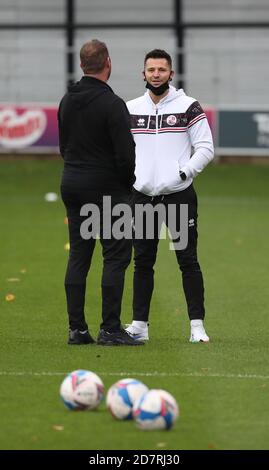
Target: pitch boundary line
[[141, 374]]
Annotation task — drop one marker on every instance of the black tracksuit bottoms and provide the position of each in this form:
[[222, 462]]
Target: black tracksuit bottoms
[[145, 252], [116, 258]]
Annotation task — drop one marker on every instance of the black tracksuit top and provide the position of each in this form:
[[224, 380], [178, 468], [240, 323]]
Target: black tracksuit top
[[95, 138]]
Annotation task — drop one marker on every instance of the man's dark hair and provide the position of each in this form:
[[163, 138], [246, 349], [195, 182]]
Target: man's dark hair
[[158, 54], [93, 56]]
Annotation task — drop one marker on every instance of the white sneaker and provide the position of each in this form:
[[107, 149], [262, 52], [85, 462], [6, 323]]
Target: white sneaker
[[198, 333], [136, 332]]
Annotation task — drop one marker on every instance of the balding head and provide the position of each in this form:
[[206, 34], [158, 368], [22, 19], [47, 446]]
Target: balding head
[[93, 57]]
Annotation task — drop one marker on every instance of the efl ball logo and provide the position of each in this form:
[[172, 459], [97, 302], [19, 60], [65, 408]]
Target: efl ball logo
[[21, 130]]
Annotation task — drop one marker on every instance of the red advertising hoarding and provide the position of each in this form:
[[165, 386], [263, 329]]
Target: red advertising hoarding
[[33, 128], [28, 128]]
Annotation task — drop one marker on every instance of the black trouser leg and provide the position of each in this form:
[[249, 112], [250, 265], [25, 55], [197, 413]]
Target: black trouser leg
[[78, 266], [80, 256], [117, 253], [145, 252], [192, 278], [143, 282], [75, 298], [117, 256]]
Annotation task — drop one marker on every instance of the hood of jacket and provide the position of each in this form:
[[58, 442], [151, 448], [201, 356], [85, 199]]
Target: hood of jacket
[[172, 95], [87, 90]]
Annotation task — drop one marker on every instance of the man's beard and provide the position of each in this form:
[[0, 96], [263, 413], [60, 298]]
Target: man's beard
[[158, 90]]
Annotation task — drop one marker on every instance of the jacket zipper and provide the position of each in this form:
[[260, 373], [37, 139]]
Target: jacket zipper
[[156, 146]]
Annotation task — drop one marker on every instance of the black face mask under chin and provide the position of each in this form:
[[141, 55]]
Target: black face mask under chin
[[159, 90]]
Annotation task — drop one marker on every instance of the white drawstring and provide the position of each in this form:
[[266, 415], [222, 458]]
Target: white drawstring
[[152, 197]]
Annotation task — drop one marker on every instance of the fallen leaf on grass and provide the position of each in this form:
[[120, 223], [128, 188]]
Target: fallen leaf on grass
[[161, 444], [58, 428], [212, 446], [10, 297]]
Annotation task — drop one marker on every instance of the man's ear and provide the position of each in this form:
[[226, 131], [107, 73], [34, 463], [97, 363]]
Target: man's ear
[[144, 76], [172, 73]]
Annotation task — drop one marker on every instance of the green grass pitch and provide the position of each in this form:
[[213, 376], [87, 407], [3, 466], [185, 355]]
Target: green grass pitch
[[222, 387]]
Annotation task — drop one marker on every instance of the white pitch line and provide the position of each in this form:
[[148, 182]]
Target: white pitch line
[[143, 374]]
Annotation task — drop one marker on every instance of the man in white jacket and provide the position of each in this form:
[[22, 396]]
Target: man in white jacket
[[173, 145]]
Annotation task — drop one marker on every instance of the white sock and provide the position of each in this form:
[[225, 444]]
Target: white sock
[[197, 322], [140, 324]]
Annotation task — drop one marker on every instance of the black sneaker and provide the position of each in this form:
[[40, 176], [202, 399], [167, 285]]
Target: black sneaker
[[117, 338], [80, 337]]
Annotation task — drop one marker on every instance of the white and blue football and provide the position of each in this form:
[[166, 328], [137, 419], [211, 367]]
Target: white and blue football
[[82, 390], [157, 409], [122, 395]]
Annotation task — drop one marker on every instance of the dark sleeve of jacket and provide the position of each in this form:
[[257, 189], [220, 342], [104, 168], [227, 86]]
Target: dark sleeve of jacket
[[123, 142], [62, 138]]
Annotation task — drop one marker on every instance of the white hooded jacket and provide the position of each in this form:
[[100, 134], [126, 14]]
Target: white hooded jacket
[[165, 135]]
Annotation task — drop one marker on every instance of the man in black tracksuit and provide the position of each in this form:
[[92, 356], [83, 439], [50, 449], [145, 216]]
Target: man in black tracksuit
[[99, 160]]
